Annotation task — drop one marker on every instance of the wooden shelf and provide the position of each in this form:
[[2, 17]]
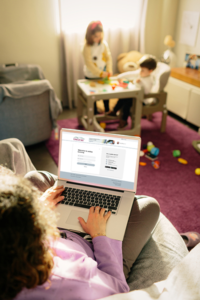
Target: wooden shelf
[[188, 75]]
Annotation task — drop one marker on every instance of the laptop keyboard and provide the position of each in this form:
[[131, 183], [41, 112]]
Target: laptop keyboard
[[86, 199]]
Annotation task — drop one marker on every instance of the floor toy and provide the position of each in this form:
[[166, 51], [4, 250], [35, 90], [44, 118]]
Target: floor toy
[[155, 151], [156, 164], [176, 153], [142, 164], [197, 171], [182, 161], [141, 153], [151, 156], [149, 147], [145, 150]]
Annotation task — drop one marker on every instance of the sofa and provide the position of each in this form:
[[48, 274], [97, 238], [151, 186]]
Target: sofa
[[28, 104]]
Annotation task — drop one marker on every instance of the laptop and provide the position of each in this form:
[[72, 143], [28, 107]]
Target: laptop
[[97, 169]]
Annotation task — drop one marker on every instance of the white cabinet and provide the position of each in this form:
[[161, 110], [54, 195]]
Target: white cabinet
[[193, 115], [183, 99]]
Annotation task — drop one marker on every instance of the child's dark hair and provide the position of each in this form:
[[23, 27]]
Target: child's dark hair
[[93, 27], [149, 63]]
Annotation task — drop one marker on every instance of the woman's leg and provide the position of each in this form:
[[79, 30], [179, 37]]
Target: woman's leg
[[13, 155], [143, 218], [41, 179]]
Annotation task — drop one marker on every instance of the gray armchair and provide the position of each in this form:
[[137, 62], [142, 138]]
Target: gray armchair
[[28, 105]]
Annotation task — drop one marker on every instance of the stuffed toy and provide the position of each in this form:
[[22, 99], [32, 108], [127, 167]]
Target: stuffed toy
[[128, 61]]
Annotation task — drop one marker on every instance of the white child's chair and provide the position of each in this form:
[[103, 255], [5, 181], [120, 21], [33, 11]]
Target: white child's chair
[[161, 74]]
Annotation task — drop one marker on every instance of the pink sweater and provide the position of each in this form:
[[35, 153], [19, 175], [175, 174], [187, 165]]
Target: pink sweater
[[82, 270]]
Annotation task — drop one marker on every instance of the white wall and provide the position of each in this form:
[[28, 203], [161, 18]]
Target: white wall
[[160, 21], [29, 33], [181, 50]]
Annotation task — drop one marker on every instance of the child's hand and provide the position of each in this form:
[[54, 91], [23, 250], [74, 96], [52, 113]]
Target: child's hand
[[105, 74], [138, 80]]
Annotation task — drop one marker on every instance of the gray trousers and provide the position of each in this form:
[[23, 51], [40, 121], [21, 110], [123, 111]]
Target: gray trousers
[[151, 245]]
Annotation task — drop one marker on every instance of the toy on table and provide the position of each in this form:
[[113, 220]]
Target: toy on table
[[197, 171], [92, 84], [176, 153], [113, 86], [182, 161]]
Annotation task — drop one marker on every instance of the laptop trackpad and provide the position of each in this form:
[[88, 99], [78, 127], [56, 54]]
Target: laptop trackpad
[[73, 217]]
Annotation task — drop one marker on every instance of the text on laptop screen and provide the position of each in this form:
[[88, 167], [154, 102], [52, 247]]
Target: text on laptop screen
[[95, 160]]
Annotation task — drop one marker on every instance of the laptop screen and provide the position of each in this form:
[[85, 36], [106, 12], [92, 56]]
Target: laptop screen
[[99, 159]]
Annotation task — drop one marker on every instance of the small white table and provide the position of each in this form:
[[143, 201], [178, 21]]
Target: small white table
[[87, 95]]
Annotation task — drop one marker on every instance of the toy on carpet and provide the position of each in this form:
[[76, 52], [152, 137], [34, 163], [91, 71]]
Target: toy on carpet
[[142, 163], [156, 164], [103, 125], [182, 161], [176, 153], [150, 152], [197, 171]]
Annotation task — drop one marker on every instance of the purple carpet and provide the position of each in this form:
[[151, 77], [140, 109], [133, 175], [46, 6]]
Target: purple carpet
[[174, 185]]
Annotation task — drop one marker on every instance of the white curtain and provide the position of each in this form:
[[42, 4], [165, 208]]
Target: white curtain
[[123, 24]]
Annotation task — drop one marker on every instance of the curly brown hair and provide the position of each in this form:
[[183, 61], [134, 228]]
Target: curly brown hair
[[26, 226]]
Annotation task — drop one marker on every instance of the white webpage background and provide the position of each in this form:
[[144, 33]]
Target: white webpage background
[[67, 156]]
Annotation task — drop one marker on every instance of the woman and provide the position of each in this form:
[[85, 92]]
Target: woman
[[35, 263]]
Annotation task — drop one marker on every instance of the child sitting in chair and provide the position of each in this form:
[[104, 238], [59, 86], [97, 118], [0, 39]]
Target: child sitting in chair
[[142, 77]]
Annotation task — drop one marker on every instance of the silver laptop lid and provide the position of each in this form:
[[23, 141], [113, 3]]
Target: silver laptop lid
[[99, 159]]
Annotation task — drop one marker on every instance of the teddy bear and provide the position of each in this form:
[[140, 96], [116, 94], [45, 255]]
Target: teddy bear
[[128, 61]]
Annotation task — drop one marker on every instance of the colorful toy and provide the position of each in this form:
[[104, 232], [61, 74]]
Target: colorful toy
[[145, 150], [149, 147], [142, 164], [113, 87], [155, 151], [141, 153], [126, 81], [156, 164], [197, 171], [104, 90], [123, 85], [92, 91], [176, 153], [92, 83], [182, 161], [103, 125]]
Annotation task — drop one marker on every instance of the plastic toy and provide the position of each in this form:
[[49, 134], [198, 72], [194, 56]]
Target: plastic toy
[[182, 161], [141, 153], [155, 151], [92, 83], [104, 90], [124, 85], [92, 91], [156, 164], [176, 153], [197, 171], [103, 125], [113, 87], [126, 81], [145, 150], [151, 156], [149, 147], [142, 164]]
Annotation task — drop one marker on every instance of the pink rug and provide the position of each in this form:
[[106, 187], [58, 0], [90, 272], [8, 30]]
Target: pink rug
[[174, 185]]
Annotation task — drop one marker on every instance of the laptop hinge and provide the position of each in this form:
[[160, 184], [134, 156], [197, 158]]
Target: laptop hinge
[[92, 186]]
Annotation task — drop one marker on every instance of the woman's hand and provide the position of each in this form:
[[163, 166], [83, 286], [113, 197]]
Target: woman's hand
[[53, 195], [96, 222]]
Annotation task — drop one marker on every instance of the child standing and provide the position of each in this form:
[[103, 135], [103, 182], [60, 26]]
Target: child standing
[[97, 56], [142, 77]]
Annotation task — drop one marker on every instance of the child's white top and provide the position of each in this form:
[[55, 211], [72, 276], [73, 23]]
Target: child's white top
[[97, 59], [146, 82]]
